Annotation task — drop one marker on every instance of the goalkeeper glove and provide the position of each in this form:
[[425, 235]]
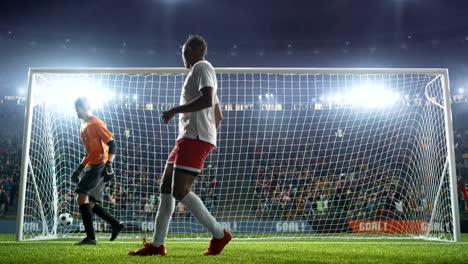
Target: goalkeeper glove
[[76, 174], [108, 172]]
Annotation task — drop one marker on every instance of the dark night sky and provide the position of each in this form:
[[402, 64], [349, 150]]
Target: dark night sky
[[314, 33]]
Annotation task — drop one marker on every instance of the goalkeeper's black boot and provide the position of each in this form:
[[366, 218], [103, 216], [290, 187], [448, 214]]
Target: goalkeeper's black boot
[[116, 230], [86, 241]]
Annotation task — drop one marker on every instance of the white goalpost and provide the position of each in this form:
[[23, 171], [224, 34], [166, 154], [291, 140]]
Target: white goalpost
[[302, 152]]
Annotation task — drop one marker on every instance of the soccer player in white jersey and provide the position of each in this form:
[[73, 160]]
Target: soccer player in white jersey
[[199, 118]]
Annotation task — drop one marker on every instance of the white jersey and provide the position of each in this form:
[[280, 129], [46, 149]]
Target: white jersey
[[201, 124]]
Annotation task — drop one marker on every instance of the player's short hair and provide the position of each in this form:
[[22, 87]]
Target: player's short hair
[[82, 102], [195, 41]]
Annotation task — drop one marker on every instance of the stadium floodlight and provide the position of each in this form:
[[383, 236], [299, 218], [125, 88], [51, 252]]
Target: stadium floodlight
[[372, 96], [63, 92], [337, 99], [461, 90], [384, 158]]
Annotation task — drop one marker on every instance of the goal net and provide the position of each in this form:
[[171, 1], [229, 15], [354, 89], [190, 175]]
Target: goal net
[[302, 153]]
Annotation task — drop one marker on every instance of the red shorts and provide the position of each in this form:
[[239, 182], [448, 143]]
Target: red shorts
[[189, 155]]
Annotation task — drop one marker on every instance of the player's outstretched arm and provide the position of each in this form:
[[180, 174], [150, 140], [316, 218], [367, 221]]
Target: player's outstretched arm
[[203, 101]]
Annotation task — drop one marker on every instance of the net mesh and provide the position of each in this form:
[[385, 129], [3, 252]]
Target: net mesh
[[299, 155]]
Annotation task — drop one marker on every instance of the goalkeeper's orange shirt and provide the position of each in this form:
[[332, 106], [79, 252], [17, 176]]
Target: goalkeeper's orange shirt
[[95, 135]]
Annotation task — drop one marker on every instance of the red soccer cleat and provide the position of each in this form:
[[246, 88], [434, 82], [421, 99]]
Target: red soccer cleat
[[217, 245], [149, 250]]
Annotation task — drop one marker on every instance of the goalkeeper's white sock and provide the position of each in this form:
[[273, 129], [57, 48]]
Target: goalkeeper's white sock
[[199, 211], [163, 218]]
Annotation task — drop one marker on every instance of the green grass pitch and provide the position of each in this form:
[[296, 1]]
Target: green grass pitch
[[239, 251]]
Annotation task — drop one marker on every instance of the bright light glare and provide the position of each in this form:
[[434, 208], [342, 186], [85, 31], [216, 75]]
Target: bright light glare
[[461, 90], [368, 96], [63, 93], [337, 99], [372, 96]]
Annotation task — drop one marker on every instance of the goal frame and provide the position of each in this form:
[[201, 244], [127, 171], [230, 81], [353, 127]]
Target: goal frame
[[443, 73]]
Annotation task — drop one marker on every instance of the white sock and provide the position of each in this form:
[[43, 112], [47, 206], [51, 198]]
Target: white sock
[[163, 218], [199, 211]]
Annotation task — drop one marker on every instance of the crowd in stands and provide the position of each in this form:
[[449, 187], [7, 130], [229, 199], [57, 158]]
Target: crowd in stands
[[362, 194], [461, 155], [11, 137]]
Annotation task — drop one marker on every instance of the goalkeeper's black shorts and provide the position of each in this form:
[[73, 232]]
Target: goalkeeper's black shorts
[[92, 183]]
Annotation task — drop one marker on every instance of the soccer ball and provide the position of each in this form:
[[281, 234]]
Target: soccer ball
[[65, 219]]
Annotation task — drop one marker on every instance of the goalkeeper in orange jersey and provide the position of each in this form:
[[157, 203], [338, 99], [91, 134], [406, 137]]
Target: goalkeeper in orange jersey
[[97, 166]]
